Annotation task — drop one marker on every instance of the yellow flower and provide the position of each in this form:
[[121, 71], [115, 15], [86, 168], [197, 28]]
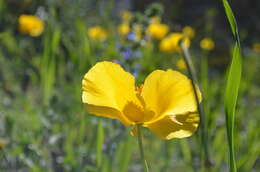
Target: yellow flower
[[181, 64], [155, 20], [157, 31], [256, 47], [207, 44], [126, 16], [3, 143], [137, 29], [123, 29], [171, 42], [188, 31], [97, 33], [30, 25], [186, 42], [165, 103]]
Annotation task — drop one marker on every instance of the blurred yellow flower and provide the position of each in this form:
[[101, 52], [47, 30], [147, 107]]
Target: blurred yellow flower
[[3, 143], [155, 20], [207, 44], [157, 31], [171, 42], [126, 16], [165, 103], [186, 42], [137, 29], [31, 25], [97, 33], [188, 31], [181, 64], [123, 29], [256, 47]]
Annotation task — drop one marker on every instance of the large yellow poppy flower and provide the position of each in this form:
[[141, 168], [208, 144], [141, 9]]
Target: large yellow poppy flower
[[165, 103]]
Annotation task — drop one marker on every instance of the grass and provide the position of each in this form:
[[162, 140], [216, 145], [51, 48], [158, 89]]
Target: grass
[[232, 88]]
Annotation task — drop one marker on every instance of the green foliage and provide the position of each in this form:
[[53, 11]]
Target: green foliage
[[230, 16], [231, 95], [232, 88]]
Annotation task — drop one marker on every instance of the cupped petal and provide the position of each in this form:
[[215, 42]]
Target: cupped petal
[[107, 85], [107, 112], [169, 93], [175, 126]]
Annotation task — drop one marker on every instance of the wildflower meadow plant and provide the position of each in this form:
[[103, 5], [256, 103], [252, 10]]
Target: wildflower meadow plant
[[207, 44], [123, 29], [97, 33], [31, 25], [165, 103], [189, 31], [157, 30], [171, 43]]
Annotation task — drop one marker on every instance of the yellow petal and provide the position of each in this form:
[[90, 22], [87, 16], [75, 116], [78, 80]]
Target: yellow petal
[[107, 112], [168, 93], [175, 126], [107, 85]]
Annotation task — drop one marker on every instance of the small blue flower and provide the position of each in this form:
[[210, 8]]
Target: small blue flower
[[118, 46], [131, 36], [127, 54]]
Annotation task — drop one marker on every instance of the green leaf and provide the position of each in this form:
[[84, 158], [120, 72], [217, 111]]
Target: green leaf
[[233, 81], [230, 16], [124, 154], [231, 95], [232, 87]]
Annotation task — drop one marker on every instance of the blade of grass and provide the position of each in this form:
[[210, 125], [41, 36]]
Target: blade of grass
[[124, 154], [232, 87], [232, 21], [230, 16], [231, 94], [48, 63]]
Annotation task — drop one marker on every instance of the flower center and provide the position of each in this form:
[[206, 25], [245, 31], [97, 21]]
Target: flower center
[[138, 113], [134, 112]]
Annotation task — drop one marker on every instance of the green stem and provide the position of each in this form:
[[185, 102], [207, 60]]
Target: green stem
[[140, 143], [193, 77]]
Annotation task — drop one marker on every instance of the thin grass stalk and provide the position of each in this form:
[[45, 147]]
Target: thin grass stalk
[[140, 143], [192, 74]]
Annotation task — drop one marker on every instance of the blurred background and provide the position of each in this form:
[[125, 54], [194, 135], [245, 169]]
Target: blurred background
[[47, 46]]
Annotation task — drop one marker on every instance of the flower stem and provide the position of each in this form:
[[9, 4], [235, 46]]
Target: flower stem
[[140, 143], [204, 135]]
